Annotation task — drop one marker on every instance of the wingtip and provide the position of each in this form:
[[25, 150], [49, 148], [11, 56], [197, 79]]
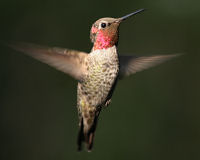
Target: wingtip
[[171, 56], [5, 43], [11, 44], [178, 54]]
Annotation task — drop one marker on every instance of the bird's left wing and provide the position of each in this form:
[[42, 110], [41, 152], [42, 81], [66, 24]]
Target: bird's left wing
[[132, 64], [68, 61]]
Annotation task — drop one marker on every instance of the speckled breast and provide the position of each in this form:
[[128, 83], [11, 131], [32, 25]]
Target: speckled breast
[[103, 68]]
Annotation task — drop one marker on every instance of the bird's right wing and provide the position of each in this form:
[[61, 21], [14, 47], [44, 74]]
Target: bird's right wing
[[68, 61]]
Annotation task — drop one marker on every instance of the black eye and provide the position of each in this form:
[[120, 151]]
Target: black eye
[[103, 25]]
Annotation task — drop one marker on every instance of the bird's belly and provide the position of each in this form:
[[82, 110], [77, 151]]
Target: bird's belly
[[95, 89]]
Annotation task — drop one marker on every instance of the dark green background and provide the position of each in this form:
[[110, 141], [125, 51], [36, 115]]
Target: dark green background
[[153, 115]]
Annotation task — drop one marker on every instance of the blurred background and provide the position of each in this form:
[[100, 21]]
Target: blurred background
[[154, 114]]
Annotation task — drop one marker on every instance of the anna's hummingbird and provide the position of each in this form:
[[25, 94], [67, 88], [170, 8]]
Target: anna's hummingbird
[[97, 73]]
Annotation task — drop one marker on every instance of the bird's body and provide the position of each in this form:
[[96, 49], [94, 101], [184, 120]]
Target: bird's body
[[97, 72], [96, 89]]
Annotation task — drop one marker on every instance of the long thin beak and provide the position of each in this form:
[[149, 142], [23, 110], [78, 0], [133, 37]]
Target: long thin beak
[[129, 15]]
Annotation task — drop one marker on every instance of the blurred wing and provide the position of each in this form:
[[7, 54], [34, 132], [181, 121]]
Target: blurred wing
[[65, 60], [132, 64]]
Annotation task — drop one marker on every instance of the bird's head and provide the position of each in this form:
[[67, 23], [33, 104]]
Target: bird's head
[[105, 31]]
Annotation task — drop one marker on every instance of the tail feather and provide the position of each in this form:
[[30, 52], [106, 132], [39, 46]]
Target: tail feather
[[90, 135], [80, 136], [87, 136]]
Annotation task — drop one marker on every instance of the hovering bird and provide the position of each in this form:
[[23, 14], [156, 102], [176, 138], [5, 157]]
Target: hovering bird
[[97, 72]]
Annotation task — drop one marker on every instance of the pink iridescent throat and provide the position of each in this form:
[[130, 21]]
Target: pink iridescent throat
[[103, 41]]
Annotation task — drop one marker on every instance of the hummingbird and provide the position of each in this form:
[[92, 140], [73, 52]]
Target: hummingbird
[[97, 72]]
